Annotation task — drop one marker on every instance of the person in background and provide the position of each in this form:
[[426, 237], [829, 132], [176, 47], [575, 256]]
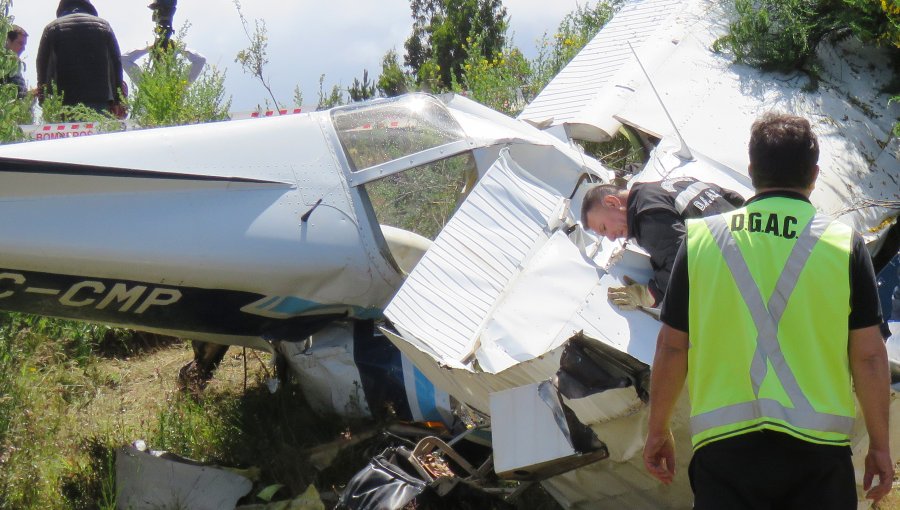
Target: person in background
[[163, 15], [772, 316], [134, 70], [653, 213], [79, 55], [16, 39]]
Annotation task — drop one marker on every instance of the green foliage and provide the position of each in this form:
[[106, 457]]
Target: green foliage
[[194, 429], [257, 430], [506, 81], [77, 340], [437, 49], [13, 111], [422, 200], [393, 81], [497, 81], [94, 485], [254, 58], [298, 96], [783, 34], [41, 381], [874, 21], [617, 154], [53, 110], [362, 90], [164, 97], [331, 99]]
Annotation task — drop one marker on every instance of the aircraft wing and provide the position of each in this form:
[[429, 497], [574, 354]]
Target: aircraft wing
[[714, 101]]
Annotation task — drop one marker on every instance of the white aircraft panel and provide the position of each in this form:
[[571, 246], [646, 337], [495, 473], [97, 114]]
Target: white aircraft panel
[[478, 252], [602, 67]]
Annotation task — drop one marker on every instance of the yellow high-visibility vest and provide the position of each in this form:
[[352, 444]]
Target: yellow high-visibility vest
[[768, 317]]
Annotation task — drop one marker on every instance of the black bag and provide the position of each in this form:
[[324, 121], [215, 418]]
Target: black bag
[[384, 484]]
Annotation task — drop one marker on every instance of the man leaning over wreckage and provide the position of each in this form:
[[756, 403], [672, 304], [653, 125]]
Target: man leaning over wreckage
[[653, 213]]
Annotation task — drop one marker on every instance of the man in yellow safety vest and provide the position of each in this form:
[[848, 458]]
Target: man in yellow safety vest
[[772, 317]]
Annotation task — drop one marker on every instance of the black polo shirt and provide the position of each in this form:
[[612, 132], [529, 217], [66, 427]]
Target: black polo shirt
[[655, 222]]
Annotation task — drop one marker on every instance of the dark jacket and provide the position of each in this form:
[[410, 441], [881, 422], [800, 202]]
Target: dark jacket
[[18, 80], [656, 214], [79, 52]]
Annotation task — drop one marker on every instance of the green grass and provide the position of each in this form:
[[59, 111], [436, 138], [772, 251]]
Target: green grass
[[72, 393], [68, 402]]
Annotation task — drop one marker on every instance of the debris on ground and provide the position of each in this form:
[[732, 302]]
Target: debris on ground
[[148, 479]]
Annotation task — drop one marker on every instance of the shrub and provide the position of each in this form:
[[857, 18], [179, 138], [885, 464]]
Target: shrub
[[163, 95], [784, 34], [13, 111]]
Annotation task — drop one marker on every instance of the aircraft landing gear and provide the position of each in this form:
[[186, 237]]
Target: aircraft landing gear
[[195, 376]]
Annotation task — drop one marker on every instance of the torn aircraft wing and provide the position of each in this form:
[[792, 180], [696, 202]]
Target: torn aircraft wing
[[714, 101], [585, 95]]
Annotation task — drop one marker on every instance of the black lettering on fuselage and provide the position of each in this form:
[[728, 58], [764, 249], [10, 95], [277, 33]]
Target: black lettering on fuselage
[[16, 278], [119, 293]]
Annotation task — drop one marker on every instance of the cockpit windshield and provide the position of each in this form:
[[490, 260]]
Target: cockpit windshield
[[382, 131]]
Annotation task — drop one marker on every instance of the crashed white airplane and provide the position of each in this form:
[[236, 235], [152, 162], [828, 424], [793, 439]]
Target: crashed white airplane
[[508, 310], [264, 232]]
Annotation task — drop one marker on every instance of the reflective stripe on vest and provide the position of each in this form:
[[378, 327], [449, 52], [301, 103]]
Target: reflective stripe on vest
[[766, 318], [683, 200]]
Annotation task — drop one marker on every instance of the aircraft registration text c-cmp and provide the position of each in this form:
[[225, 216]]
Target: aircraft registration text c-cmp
[[135, 298], [139, 304]]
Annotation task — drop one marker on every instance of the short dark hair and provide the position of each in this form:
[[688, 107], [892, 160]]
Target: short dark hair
[[783, 152], [14, 32], [595, 196]]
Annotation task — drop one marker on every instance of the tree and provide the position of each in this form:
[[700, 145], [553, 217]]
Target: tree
[[392, 81], [437, 50], [362, 90], [253, 59], [506, 80], [330, 100], [498, 81]]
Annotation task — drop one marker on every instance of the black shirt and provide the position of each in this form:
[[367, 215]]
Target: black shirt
[[656, 212], [865, 309]]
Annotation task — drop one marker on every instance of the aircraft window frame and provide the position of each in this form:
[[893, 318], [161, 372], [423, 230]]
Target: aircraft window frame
[[431, 114], [458, 177], [407, 162]]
